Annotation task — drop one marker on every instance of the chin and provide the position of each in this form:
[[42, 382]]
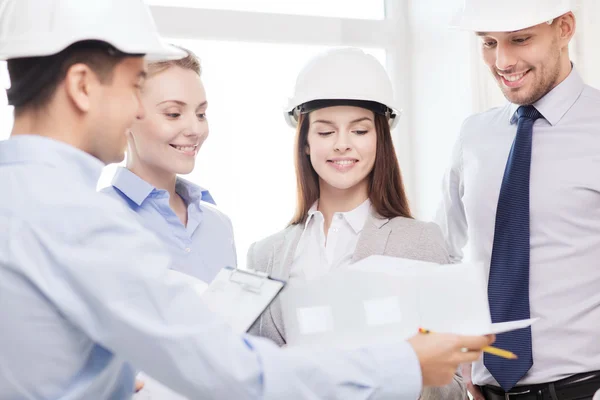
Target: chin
[[342, 185], [183, 169]]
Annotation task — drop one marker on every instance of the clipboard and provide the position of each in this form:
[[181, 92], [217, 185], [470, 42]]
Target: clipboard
[[240, 296]]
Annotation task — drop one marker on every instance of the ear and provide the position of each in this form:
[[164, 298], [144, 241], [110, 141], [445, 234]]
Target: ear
[[567, 25], [79, 83], [307, 150]]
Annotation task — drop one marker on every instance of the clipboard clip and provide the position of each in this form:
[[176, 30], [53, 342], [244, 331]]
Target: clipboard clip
[[251, 281]]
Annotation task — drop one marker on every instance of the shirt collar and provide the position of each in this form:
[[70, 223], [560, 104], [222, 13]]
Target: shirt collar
[[356, 218], [192, 193], [138, 189], [35, 149], [554, 105], [132, 185]]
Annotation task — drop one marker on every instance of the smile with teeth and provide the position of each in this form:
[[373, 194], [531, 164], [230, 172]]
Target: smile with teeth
[[185, 148], [513, 78], [343, 162]]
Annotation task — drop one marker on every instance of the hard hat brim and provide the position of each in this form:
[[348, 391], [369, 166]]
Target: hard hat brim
[[493, 23], [152, 48]]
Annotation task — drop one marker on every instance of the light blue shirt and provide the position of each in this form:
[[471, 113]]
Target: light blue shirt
[[202, 247], [85, 290]]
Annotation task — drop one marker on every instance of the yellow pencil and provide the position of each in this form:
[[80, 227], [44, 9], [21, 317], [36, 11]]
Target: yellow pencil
[[489, 349], [500, 353]]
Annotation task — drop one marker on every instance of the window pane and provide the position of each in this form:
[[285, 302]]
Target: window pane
[[361, 9], [6, 115], [247, 161]]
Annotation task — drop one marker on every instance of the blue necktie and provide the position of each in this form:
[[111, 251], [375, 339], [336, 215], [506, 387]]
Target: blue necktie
[[508, 285]]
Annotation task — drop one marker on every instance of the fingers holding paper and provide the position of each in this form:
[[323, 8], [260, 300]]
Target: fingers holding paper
[[440, 354]]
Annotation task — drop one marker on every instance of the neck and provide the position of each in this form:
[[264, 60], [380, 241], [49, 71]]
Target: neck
[[332, 200], [50, 124], [157, 178], [565, 69]]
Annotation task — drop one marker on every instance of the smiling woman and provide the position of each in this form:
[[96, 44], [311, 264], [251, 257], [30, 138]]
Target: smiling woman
[[351, 199], [162, 144]]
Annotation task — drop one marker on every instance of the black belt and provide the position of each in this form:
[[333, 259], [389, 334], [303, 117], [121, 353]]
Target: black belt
[[576, 387]]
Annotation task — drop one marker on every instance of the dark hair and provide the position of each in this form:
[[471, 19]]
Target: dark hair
[[190, 62], [386, 190], [34, 79]]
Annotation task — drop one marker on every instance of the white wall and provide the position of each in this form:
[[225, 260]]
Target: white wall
[[585, 51], [442, 94], [437, 72], [450, 82]]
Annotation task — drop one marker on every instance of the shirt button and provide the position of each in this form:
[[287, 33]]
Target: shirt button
[[335, 229], [187, 249], [340, 216]]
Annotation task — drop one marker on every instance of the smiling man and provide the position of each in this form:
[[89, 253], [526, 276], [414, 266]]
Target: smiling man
[[523, 190]]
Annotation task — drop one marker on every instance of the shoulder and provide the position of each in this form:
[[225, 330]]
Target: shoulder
[[420, 239], [115, 194], [273, 240], [497, 116], [591, 94], [90, 213], [217, 215], [260, 251], [111, 191], [414, 228]]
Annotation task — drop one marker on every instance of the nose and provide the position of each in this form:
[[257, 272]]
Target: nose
[[342, 142], [505, 58], [197, 127]]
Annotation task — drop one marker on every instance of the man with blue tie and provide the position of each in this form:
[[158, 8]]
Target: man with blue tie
[[86, 297], [523, 189]]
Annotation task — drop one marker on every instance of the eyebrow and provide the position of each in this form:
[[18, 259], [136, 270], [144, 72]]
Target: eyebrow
[[522, 31], [323, 121], [143, 74], [183, 103]]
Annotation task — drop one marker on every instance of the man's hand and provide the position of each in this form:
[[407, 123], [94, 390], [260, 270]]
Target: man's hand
[[440, 354], [465, 371]]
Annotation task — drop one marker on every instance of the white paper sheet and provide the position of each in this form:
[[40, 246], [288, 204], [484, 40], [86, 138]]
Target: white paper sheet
[[502, 327], [388, 299]]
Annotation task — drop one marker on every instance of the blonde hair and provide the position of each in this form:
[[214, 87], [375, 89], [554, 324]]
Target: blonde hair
[[190, 62]]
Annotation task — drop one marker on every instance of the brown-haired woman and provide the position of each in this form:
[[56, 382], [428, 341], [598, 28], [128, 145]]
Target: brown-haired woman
[[351, 200]]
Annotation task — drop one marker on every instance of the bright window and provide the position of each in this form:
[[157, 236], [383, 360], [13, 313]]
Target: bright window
[[6, 115], [361, 9], [247, 161]]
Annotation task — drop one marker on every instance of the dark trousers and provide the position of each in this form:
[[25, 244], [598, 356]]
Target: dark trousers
[[576, 387]]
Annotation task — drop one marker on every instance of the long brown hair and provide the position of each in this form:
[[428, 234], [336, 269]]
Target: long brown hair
[[386, 189]]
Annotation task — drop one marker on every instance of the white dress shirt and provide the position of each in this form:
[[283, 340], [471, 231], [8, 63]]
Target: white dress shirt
[[564, 220], [86, 298], [318, 253]]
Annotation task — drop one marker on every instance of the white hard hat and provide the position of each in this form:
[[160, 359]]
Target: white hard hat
[[36, 28], [507, 15], [343, 76]]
